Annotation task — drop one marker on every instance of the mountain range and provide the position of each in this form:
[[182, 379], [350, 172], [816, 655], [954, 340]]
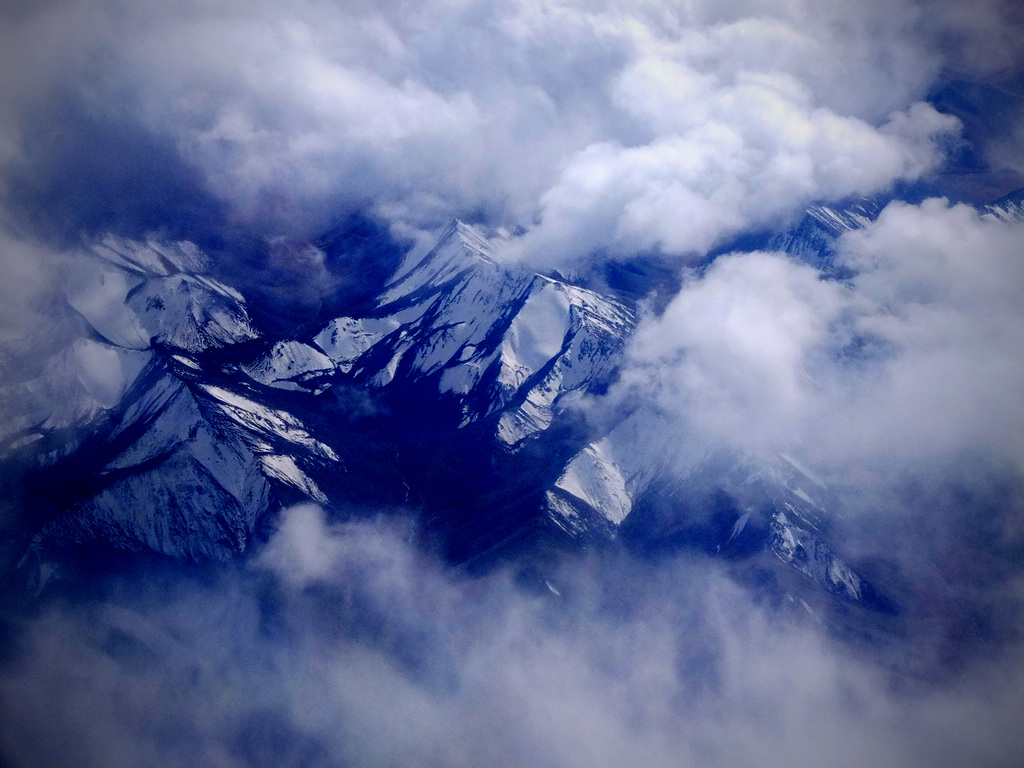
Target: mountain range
[[169, 423]]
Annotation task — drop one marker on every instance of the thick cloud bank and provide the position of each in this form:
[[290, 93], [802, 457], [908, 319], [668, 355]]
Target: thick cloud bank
[[588, 127], [595, 121], [919, 356], [341, 646]]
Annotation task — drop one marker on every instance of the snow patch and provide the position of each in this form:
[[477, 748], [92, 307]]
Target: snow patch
[[190, 313], [812, 557], [152, 258], [266, 420], [802, 470], [538, 331], [345, 339], [285, 469], [288, 365], [594, 478], [98, 293]]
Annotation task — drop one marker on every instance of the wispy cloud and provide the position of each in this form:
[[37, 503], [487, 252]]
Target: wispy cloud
[[365, 652]]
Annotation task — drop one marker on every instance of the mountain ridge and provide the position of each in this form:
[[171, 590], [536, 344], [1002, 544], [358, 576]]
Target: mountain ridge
[[468, 371]]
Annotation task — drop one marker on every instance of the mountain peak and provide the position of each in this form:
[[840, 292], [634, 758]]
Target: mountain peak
[[461, 240], [460, 248], [469, 236], [1009, 208], [477, 366]]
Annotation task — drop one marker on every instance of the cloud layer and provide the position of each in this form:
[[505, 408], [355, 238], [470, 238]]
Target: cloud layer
[[596, 121], [917, 357], [342, 646]]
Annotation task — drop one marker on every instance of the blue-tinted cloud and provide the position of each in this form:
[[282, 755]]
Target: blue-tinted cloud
[[365, 652], [286, 117], [759, 352]]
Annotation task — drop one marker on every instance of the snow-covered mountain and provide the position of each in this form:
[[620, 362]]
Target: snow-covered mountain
[[502, 341], [171, 424], [1009, 208], [813, 239], [142, 445], [180, 406]]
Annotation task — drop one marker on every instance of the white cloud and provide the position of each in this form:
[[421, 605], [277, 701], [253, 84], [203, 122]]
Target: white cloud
[[384, 659], [944, 286], [755, 156], [651, 124], [918, 357], [730, 352], [303, 550], [29, 271]]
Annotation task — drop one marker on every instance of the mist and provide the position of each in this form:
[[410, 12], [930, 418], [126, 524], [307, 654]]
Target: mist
[[340, 644]]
